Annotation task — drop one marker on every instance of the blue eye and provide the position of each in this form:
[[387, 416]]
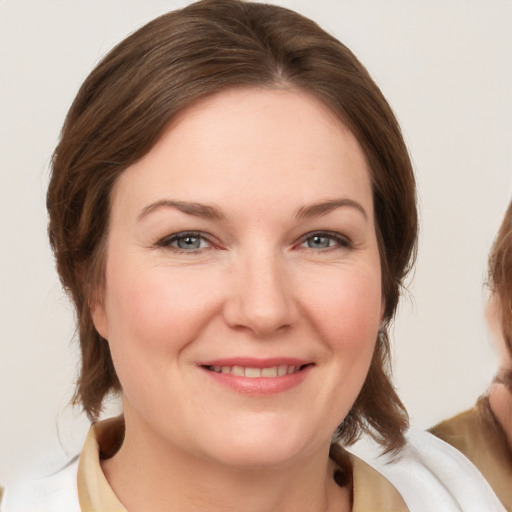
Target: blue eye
[[185, 242], [188, 242], [324, 241], [319, 242]]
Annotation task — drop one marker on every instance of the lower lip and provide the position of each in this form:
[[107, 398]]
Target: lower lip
[[259, 385]]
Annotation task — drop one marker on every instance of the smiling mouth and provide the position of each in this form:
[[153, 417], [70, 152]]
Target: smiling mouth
[[255, 373]]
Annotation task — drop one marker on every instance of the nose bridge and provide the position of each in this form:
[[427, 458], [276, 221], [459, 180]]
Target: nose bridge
[[262, 299]]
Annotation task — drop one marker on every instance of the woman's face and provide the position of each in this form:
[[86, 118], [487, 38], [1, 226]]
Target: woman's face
[[494, 322], [243, 282]]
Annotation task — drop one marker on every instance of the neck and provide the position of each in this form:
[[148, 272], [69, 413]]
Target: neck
[[169, 478]]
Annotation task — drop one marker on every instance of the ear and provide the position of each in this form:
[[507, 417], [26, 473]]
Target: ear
[[100, 318]]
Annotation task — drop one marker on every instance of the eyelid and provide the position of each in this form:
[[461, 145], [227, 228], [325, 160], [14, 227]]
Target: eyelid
[[166, 241], [342, 240]]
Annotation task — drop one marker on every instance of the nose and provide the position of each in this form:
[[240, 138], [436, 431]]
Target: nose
[[261, 299]]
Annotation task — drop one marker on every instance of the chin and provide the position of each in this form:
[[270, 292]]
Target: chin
[[256, 456], [264, 445]]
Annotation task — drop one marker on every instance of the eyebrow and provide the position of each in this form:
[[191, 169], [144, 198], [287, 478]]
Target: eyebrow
[[196, 209], [213, 213], [325, 207]]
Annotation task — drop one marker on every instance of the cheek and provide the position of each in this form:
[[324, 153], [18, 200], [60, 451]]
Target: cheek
[[347, 308], [159, 310], [154, 315]]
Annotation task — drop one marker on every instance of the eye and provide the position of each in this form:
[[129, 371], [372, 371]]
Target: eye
[[186, 242], [323, 240]]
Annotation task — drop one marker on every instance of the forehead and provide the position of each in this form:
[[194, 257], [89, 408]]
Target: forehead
[[263, 144]]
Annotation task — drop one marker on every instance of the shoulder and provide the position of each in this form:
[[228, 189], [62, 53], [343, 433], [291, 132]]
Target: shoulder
[[461, 430], [481, 439], [432, 475], [54, 493], [477, 434]]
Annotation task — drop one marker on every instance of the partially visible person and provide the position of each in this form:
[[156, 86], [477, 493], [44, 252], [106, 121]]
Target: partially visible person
[[484, 433]]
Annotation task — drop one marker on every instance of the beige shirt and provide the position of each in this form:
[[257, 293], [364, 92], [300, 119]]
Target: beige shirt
[[480, 438], [371, 491]]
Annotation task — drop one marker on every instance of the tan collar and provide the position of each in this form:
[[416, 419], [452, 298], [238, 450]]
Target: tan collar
[[371, 490], [94, 492]]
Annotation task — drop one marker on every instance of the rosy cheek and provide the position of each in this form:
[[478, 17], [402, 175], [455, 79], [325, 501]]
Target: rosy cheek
[[348, 304], [161, 309]]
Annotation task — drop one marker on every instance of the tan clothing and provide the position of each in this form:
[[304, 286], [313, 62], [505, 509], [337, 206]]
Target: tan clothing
[[480, 438], [371, 491], [428, 475]]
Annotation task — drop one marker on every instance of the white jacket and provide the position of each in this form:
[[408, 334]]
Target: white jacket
[[55, 493], [431, 476]]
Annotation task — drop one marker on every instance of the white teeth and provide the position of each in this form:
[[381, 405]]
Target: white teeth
[[254, 373], [238, 370], [269, 372]]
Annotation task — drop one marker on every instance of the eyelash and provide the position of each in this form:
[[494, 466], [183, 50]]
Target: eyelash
[[166, 242], [340, 240], [176, 237]]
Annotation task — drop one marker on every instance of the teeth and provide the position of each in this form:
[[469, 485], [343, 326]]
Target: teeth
[[270, 372], [238, 370], [254, 373]]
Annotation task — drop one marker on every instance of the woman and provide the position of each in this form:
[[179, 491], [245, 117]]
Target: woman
[[232, 210], [484, 433]]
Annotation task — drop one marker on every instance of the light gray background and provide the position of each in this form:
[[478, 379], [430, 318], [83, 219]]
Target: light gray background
[[444, 65]]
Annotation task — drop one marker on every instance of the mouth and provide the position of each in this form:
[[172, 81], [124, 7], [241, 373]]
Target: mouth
[[258, 377], [256, 373]]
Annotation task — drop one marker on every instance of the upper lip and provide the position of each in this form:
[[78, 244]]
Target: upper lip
[[254, 362]]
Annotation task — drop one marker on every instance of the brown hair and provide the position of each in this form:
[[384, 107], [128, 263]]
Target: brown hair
[[128, 100], [500, 280]]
